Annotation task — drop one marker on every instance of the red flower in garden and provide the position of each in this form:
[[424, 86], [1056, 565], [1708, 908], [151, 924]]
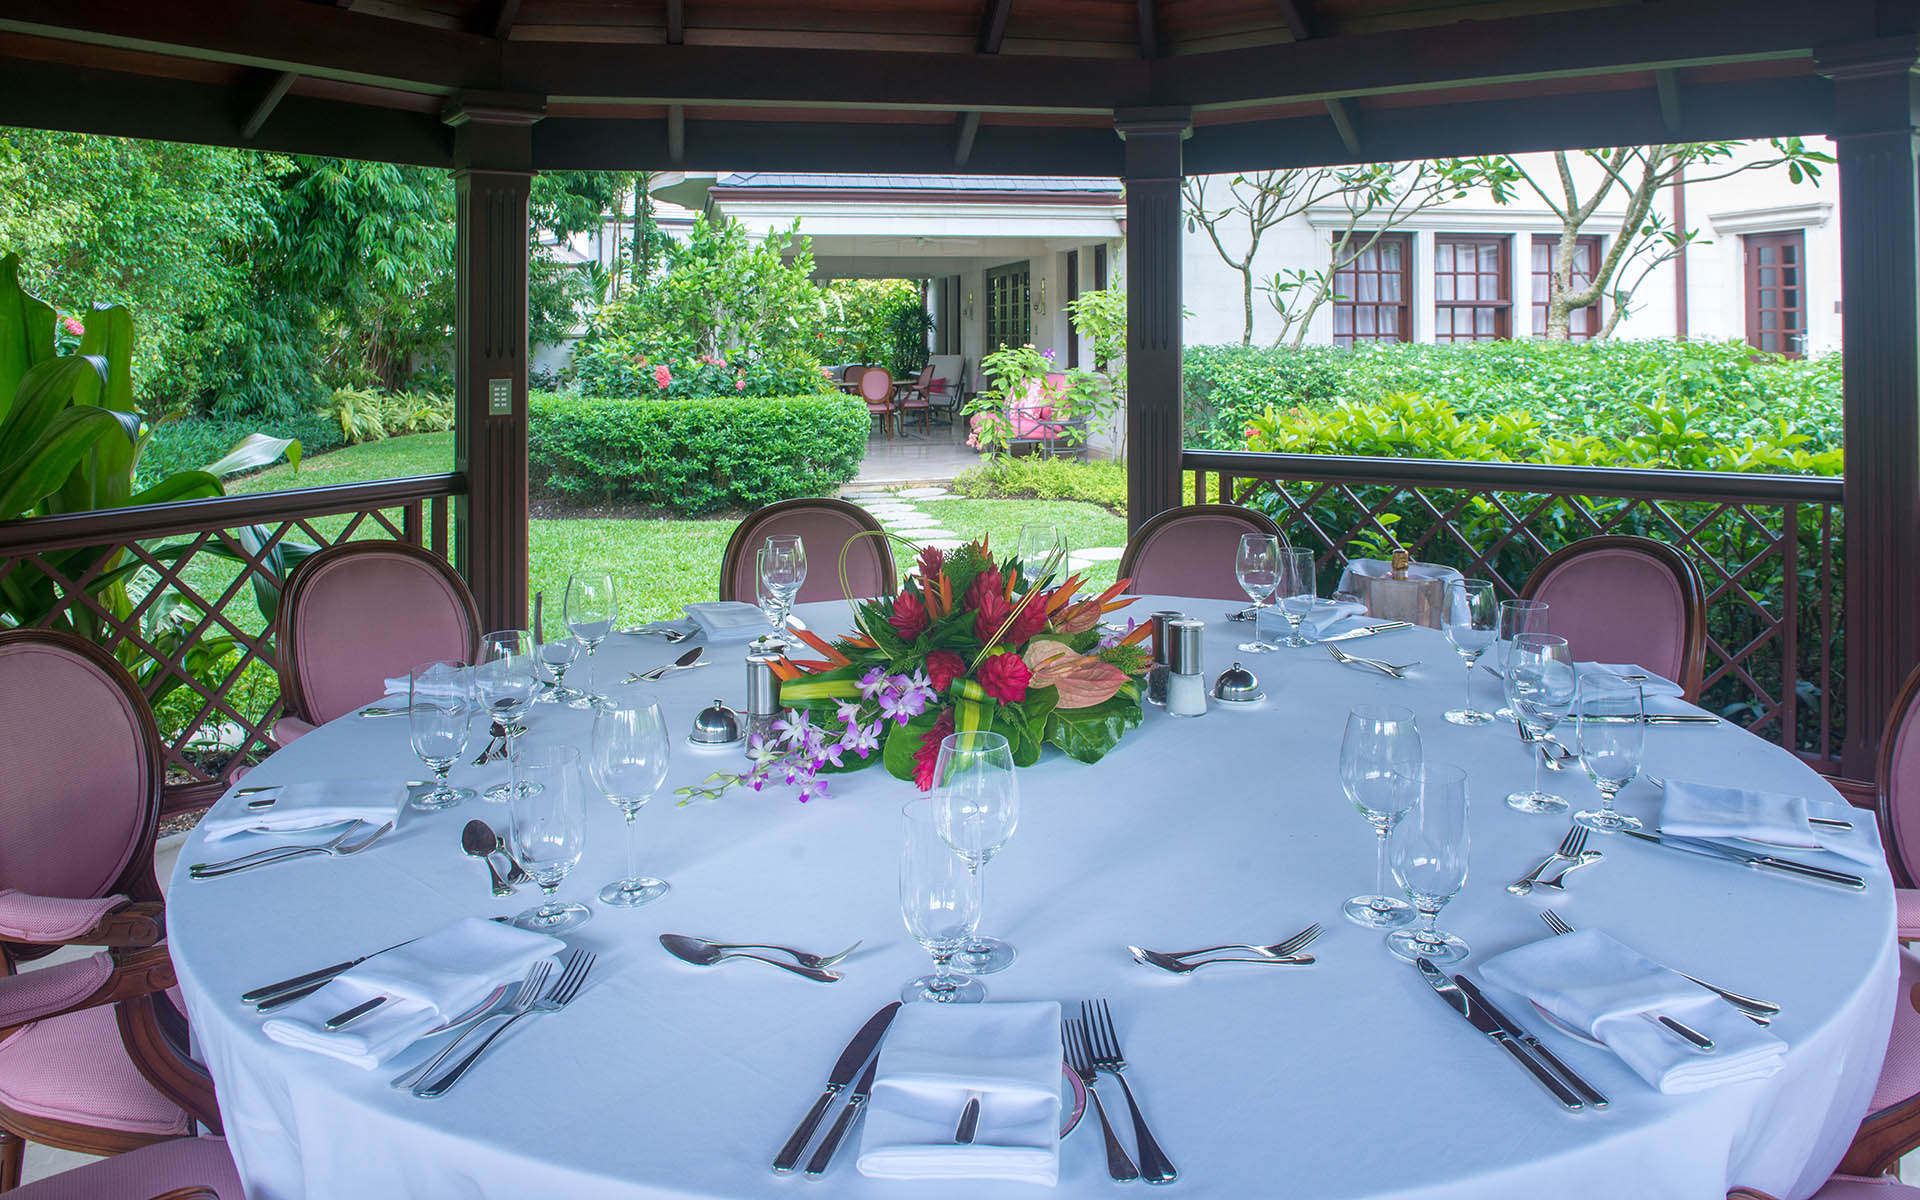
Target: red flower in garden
[[909, 617], [1005, 676], [662, 376], [1031, 620], [739, 385], [73, 326], [943, 667], [931, 561], [927, 757]]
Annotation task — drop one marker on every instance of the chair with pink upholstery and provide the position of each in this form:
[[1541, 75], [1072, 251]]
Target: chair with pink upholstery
[[914, 398], [824, 526], [1189, 551], [356, 614], [1845, 1187], [182, 1169], [876, 388], [1623, 599], [93, 1052]]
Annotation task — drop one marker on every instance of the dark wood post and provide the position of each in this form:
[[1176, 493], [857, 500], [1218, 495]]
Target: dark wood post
[[1880, 325], [493, 156], [1154, 432]]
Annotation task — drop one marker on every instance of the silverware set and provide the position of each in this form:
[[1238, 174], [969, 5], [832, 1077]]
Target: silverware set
[[527, 1001], [671, 635], [703, 953], [857, 1052], [1748, 858], [1566, 1086], [1573, 851], [1760, 1012], [689, 661], [1396, 670], [350, 841], [1093, 1046], [1280, 954]]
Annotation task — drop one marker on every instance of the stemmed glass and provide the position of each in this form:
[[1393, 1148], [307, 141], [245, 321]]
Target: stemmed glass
[[590, 610], [1611, 713], [440, 713], [553, 657], [1380, 759], [505, 681], [1258, 567], [783, 569], [1042, 553], [549, 831], [1298, 592], [630, 750], [977, 808], [1539, 687], [768, 602], [1429, 849], [1516, 617], [1472, 620], [940, 903]]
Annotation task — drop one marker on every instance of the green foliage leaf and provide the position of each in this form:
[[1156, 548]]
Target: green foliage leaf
[[253, 451], [1086, 734], [26, 329], [903, 742]]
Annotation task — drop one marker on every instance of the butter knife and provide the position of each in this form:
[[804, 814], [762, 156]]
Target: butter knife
[[856, 1053], [817, 1165], [1480, 1019], [1368, 631], [1762, 862], [1586, 1090]]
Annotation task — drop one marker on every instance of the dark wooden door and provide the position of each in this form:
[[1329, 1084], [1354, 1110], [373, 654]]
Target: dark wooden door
[[1777, 292]]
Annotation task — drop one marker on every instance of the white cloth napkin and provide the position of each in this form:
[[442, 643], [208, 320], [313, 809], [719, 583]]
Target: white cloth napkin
[[1603, 988], [728, 620], [315, 804], [1653, 687], [428, 982], [1326, 614], [1708, 810], [398, 685], [935, 1056]]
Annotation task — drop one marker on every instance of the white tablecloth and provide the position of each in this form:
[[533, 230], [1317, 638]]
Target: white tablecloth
[[1350, 1079]]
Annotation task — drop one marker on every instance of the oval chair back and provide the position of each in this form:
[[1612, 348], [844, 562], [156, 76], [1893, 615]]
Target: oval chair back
[[1190, 551], [876, 385], [1899, 784], [357, 614], [824, 526], [1623, 599]]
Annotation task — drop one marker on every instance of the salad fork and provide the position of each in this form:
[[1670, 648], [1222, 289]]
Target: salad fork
[[1177, 966], [1570, 848], [339, 847], [1073, 1037], [572, 976], [1397, 670], [520, 999], [1299, 941], [1760, 1012]]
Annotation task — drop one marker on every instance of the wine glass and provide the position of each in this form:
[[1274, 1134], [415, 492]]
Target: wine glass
[[940, 903], [783, 567], [630, 750], [440, 713], [768, 602], [1429, 850], [1539, 688], [977, 808], [1380, 758], [1472, 620], [505, 682], [1298, 592], [1042, 553], [549, 830], [552, 658], [590, 610], [1611, 718], [1516, 617], [1258, 567]]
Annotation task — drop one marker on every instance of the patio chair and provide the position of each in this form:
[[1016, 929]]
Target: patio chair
[[914, 399], [182, 1169], [1190, 551], [93, 1053], [357, 614], [1845, 1187], [825, 527], [1623, 599], [876, 388]]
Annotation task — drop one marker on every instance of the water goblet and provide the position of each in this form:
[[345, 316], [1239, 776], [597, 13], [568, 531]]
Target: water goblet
[[1429, 849], [440, 715], [1516, 617], [629, 763], [549, 831], [1609, 714], [1380, 758], [590, 610], [940, 903], [1539, 687], [551, 660], [1472, 620], [977, 808], [768, 602], [505, 682], [1258, 566], [1042, 553], [1298, 591], [784, 568]]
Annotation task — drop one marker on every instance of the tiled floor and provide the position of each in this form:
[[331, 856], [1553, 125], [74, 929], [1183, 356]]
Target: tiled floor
[[915, 458]]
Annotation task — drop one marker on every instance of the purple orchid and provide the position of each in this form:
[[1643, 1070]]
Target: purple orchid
[[872, 682], [861, 739], [847, 711], [793, 731]]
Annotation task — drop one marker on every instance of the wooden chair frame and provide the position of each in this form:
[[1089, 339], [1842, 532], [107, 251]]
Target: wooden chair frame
[[1693, 635], [739, 544], [1261, 522]]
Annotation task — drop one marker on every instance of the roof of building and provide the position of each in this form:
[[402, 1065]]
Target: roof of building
[[1037, 184]]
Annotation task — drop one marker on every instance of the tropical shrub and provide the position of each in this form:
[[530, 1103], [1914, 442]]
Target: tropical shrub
[[1079, 398], [859, 322], [621, 364], [366, 415], [1038, 477], [694, 455]]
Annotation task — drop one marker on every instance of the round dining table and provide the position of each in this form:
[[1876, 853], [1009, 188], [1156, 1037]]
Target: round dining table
[[1346, 1079]]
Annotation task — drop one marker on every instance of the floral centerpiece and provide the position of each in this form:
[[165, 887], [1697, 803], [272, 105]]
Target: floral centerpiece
[[968, 644]]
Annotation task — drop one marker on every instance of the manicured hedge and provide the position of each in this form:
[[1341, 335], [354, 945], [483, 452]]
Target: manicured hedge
[[196, 441], [695, 455]]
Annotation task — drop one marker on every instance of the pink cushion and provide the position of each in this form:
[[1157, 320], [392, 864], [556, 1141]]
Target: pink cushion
[[148, 1171], [824, 530], [288, 730], [365, 617], [33, 994], [876, 384], [1907, 912], [1900, 1073], [938, 385], [1903, 790], [74, 1068], [1192, 556], [25, 918], [1618, 605], [1849, 1187]]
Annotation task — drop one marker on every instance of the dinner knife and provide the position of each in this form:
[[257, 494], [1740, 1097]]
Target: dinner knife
[[281, 991], [1764, 862], [1369, 631], [842, 1074], [1484, 1022], [1586, 1090], [1655, 719], [817, 1165]]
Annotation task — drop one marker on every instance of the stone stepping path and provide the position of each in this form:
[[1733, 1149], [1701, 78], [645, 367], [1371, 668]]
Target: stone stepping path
[[923, 493], [1099, 554]]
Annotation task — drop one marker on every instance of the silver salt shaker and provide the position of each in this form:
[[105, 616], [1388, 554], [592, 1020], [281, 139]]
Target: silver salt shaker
[[1186, 676]]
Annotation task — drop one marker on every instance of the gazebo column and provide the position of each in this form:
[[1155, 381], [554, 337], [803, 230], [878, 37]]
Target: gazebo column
[[1154, 433], [1880, 324], [493, 156]]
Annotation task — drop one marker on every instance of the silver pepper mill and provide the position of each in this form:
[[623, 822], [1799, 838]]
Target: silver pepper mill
[[763, 703], [1157, 673]]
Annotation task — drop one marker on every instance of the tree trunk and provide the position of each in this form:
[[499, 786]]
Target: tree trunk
[[1246, 300]]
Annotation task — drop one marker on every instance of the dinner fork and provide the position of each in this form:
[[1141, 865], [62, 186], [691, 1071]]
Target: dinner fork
[[1760, 1012], [1570, 847], [800, 956], [1299, 941], [1178, 966], [1154, 1163], [1080, 1057], [519, 1000], [339, 847], [1397, 670], [572, 976]]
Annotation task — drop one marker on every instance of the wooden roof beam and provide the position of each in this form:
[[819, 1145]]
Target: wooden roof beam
[[1343, 124], [676, 22], [993, 25], [1149, 16], [965, 130], [676, 133], [503, 18], [1668, 83], [1299, 17], [270, 100]]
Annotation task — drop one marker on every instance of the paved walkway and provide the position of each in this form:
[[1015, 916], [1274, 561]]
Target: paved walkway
[[915, 459], [894, 508]]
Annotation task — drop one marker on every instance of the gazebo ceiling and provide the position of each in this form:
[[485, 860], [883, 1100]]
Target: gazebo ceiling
[[1010, 86]]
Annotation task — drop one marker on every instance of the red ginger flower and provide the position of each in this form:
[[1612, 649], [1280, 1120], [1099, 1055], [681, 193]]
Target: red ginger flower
[[909, 617], [1005, 676], [931, 562], [987, 584], [1031, 620], [991, 614], [927, 757], [943, 667]]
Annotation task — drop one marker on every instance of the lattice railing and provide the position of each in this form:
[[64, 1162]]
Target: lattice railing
[[1768, 547], [185, 595]]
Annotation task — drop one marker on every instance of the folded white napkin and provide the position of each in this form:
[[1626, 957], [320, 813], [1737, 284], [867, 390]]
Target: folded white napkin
[[314, 804], [1604, 989], [728, 620], [935, 1056], [1708, 810], [1653, 687], [398, 685], [428, 982], [1325, 615]]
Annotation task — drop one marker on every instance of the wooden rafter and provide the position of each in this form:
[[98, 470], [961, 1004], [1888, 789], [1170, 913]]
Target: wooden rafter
[[1343, 123], [1299, 17], [1668, 82], [676, 133], [965, 128], [269, 100], [993, 25], [504, 16], [1149, 16], [676, 22]]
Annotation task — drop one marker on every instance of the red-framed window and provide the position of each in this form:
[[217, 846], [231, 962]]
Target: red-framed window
[[1373, 294], [1777, 292], [1583, 324], [1472, 299]]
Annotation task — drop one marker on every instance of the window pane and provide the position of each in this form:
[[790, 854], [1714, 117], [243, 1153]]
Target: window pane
[[1765, 254], [1342, 319], [1770, 341], [1389, 256], [1769, 319], [1443, 287], [1390, 287]]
